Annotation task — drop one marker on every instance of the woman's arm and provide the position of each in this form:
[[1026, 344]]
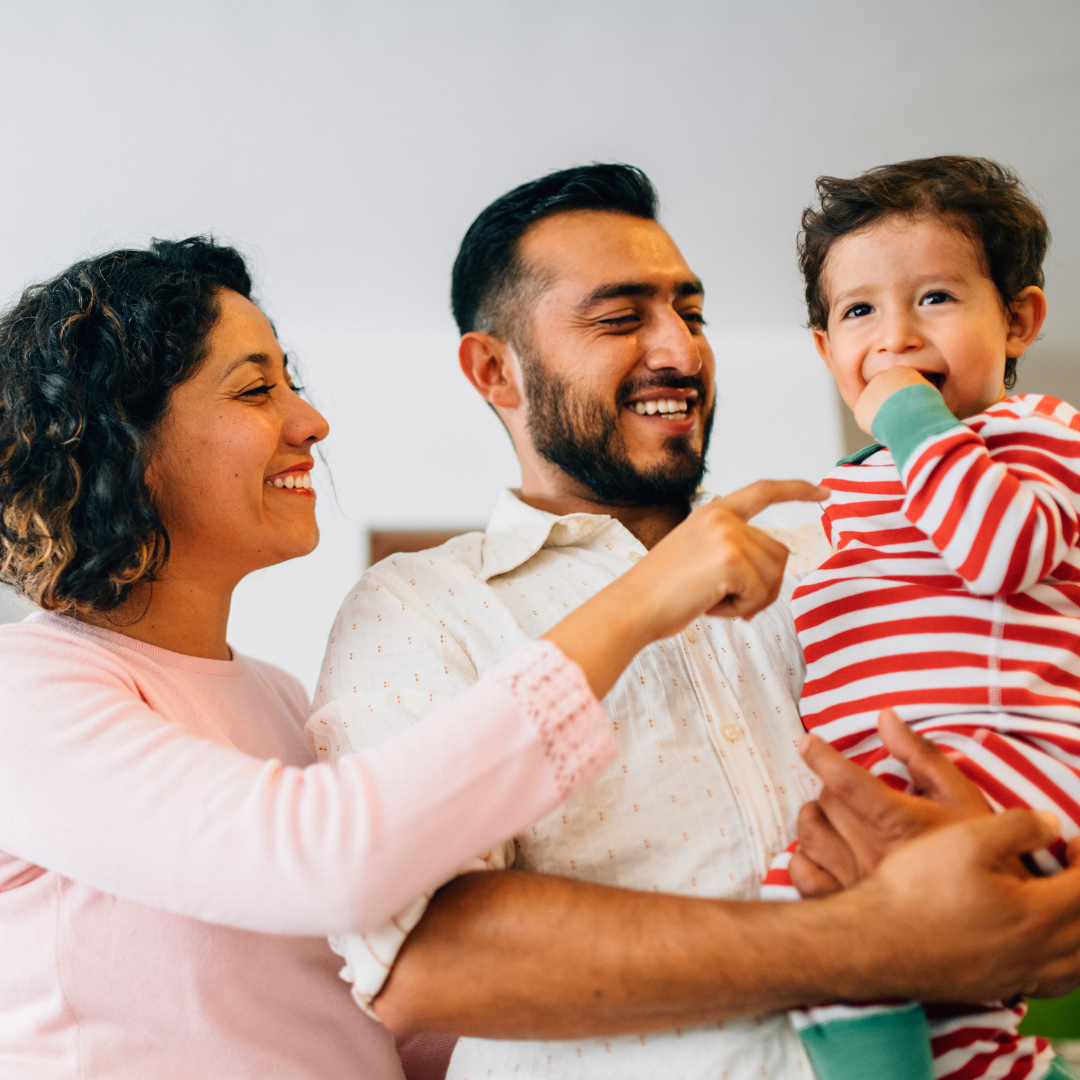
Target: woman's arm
[[97, 786]]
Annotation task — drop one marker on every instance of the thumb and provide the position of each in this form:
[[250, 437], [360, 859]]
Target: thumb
[[933, 773], [749, 501]]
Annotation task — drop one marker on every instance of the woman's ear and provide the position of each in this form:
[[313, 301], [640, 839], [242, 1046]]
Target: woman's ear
[[1025, 320], [489, 364]]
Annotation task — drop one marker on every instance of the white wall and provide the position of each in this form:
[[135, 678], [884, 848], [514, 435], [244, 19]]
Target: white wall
[[345, 147]]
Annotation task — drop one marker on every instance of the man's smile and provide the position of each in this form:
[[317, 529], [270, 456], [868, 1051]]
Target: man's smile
[[675, 411]]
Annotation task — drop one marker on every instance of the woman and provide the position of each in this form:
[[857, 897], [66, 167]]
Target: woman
[[173, 858]]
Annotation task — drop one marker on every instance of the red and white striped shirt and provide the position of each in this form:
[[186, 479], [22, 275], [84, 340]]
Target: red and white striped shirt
[[955, 583], [953, 595]]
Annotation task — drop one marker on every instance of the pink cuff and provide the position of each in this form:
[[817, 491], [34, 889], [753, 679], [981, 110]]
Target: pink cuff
[[556, 699]]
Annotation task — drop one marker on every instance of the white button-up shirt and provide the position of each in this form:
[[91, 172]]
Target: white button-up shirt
[[704, 793]]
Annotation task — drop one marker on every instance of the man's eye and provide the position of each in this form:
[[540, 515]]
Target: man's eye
[[857, 311], [619, 320], [936, 297]]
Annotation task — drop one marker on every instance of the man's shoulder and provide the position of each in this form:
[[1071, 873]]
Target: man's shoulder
[[435, 584], [459, 554]]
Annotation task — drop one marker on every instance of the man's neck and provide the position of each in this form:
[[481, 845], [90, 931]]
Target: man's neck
[[650, 524]]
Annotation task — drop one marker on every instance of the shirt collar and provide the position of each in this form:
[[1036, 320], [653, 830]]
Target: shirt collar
[[517, 531]]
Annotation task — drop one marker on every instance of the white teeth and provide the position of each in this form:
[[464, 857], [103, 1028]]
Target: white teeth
[[663, 405], [295, 481]]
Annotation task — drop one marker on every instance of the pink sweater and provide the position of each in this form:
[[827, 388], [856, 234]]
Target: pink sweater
[[172, 859]]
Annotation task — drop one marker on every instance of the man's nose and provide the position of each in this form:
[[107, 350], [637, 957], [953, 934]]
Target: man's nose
[[670, 344]]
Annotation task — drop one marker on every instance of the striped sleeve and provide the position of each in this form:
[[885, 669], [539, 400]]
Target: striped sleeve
[[997, 496]]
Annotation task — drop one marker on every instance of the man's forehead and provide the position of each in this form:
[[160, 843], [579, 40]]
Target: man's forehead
[[588, 250]]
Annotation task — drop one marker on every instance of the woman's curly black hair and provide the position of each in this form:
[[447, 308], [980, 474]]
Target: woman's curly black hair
[[88, 362]]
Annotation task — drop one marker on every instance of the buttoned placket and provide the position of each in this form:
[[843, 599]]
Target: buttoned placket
[[738, 752]]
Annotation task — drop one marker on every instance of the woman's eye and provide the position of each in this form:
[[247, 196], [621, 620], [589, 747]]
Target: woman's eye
[[258, 391], [937, 297], [857, 311]]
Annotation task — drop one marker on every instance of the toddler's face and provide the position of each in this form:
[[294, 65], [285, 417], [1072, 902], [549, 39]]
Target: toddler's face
[[915, 293]]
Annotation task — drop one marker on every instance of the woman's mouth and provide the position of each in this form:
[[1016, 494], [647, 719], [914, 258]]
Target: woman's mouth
[[296, 480]]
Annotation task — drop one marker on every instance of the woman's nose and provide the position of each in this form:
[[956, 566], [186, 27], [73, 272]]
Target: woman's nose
[[305, 424]]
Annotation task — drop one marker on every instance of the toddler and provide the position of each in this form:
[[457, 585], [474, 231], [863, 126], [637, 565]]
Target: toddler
[[953, 594]]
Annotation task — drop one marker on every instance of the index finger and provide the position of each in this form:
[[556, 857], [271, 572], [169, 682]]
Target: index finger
[[749, 501]]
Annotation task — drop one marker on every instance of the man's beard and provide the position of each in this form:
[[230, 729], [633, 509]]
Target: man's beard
[[581, 436]]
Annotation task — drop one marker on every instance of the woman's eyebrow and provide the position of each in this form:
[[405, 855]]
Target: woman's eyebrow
[[252, 358]]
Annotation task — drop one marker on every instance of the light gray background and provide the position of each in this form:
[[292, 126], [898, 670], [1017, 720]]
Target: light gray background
[[345, 147]]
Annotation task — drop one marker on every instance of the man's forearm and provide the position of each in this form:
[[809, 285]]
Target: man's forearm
[[946, 917], [518, 955]]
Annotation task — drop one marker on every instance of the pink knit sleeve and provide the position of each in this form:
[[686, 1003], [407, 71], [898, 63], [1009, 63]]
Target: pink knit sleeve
[[555, 698], [100, 788]]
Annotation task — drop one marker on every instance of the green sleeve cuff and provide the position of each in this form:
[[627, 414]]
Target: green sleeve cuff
[[910, 417]]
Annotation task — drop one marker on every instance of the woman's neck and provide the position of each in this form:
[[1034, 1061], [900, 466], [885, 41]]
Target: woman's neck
[[180, 616]]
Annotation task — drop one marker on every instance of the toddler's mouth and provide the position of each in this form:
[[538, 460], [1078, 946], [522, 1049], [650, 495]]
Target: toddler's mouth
[[937, 378]]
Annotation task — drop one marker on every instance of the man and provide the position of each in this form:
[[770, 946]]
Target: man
[[582, 328]]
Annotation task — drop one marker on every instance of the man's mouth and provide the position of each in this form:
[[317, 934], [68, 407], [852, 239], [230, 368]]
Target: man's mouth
[[676, 406]]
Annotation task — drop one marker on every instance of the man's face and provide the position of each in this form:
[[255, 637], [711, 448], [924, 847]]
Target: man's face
[[617, 373]]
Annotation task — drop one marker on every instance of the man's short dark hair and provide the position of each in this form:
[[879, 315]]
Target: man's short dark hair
[[491, 285], [983, 199]]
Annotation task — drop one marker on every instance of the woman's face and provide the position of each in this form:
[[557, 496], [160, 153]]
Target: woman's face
[[230, 470]]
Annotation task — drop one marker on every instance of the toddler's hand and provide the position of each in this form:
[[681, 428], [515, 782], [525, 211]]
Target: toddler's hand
[[882, 387]]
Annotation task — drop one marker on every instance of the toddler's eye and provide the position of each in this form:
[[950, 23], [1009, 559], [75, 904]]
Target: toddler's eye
[[857, 311], [937, 297]]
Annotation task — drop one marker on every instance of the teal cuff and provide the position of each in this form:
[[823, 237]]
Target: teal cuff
[[893, 1045], [910, 417], [1060, 1070]]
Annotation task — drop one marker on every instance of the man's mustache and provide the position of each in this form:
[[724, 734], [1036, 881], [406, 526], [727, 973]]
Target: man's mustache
[[661, 382]]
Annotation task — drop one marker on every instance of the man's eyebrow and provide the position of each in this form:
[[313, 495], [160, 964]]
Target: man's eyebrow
[[617, 290], [252, 358]]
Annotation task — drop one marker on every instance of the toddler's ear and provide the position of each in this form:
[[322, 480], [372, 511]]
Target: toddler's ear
[[1025, 320], [824, 347]]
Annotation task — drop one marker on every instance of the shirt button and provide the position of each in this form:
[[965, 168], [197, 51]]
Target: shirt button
[[586, 528], [690, 635], [635, 556], [731, 732]]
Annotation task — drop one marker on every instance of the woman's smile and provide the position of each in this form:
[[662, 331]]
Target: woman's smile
[[295, 480]]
